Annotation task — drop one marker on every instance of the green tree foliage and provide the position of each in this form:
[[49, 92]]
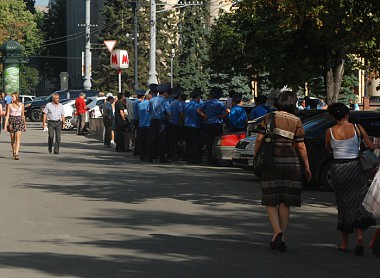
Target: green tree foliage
[[18, 22], [192, 68], [297, 41]]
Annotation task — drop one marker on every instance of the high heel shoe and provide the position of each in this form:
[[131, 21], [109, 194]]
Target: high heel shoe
[[276, 243], [359, 249], [16, 157]]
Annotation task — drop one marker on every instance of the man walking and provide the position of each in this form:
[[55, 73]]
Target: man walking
[[55, 117], [81, 109], [121, 123]]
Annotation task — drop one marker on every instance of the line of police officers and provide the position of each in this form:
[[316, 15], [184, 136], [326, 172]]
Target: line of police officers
[[162, 119]]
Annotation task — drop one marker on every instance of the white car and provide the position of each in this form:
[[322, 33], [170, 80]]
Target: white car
[[25, 98], [93, 103]]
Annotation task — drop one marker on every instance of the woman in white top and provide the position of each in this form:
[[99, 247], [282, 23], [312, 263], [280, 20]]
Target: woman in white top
[[349, 181], [15, 123]]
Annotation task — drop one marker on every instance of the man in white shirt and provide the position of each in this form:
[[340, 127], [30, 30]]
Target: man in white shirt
[[54, 115]]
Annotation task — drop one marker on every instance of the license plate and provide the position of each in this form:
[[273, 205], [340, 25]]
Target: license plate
[[236, 155]]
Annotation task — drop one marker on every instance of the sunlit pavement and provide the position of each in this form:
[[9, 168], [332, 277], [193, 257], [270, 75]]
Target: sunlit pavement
[[92, 212]]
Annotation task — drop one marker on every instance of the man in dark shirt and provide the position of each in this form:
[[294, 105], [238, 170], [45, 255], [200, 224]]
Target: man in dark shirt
[[120, 120]]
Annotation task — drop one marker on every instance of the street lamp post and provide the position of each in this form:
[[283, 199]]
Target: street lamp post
[[152, 51], [172, 55], [87, 54]]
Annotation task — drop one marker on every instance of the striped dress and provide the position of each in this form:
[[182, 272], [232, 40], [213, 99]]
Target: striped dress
[[282, 182]]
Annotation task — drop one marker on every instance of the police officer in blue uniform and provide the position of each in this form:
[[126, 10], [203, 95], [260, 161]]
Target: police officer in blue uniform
[[213, 112], [175, 122], [144, 129], [192, 124], [135, 120], [159, 113]]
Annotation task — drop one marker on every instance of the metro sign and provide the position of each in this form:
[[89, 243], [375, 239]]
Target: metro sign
[[119, 59]]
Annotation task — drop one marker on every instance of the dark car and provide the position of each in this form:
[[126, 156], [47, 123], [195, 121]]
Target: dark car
[[315, 124], [33, 108], [319, 158]]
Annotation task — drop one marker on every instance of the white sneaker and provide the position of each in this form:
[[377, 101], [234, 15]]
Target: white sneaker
[[113, 143]]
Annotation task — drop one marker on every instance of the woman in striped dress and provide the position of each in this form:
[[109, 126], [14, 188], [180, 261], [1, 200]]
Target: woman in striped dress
[[282, 183], [349, 181]]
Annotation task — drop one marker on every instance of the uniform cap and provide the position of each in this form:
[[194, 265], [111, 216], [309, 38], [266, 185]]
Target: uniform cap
[[153, 87], [216, 92], [162, 88], [140, 93], [176, 92]]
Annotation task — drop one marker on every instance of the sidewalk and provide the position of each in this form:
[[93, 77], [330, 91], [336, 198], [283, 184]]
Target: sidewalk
[[92, 212]]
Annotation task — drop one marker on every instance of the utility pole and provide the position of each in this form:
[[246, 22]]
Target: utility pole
[[152, 52], [135, 6], [87, 54]]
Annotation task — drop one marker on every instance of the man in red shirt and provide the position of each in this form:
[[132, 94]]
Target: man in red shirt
[[81, 109]]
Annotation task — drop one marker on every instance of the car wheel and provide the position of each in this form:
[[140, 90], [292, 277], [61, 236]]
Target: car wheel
[[325, 176], [35, 115], [68, 124]]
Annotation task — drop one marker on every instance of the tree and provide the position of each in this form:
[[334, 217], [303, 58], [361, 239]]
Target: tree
[[54, 27], [296, 41], [192, 55], [18, 22], [30, 5]]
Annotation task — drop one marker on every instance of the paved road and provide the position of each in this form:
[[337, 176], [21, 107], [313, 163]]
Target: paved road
[[91, 212]]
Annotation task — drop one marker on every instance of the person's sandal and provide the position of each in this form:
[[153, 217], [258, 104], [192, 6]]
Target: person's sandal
[[276, 243], [342, 249], [16, 157]]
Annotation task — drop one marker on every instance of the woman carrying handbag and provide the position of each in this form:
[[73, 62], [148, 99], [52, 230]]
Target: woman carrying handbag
[[281, 182], [348, 179], [15, 123]]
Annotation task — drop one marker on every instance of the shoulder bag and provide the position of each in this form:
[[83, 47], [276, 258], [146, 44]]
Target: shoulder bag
[[367, 158], [264, 156]]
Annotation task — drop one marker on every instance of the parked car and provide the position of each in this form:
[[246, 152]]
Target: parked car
[[26, 98], [33, 108], [320, 159], [93, 104], [224, 145]]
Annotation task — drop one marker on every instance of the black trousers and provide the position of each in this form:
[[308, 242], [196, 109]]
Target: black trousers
[[107, 131], [120, 137], [54, 128], [145, 143], [157, 137], [173, 138], [193, 144], [211, 131]]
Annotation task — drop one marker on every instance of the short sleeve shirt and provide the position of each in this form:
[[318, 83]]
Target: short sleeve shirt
[[213, 109], [192, 118], [54, 112], [286, 126], [176, 110]]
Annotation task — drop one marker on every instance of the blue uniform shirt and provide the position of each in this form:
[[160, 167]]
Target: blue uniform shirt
[[8, 99], [238, 117], [159, 108], [144, 114], [176, 109], [192, 118], [135, 109], [213, 109], [258, 111]]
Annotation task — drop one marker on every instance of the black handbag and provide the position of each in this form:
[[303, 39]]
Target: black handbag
[[367, 158], [264, 156]]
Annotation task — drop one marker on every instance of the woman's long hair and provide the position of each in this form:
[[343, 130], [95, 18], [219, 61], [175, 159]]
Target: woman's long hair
[[17, 101]]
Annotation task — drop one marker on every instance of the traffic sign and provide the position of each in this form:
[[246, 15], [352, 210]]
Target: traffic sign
[[119, 59], [110, 44]]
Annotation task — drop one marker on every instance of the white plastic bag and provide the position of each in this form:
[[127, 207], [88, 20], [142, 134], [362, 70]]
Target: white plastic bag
[[372, 200]]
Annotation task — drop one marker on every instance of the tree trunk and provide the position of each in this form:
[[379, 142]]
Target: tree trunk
[[334, 74]]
